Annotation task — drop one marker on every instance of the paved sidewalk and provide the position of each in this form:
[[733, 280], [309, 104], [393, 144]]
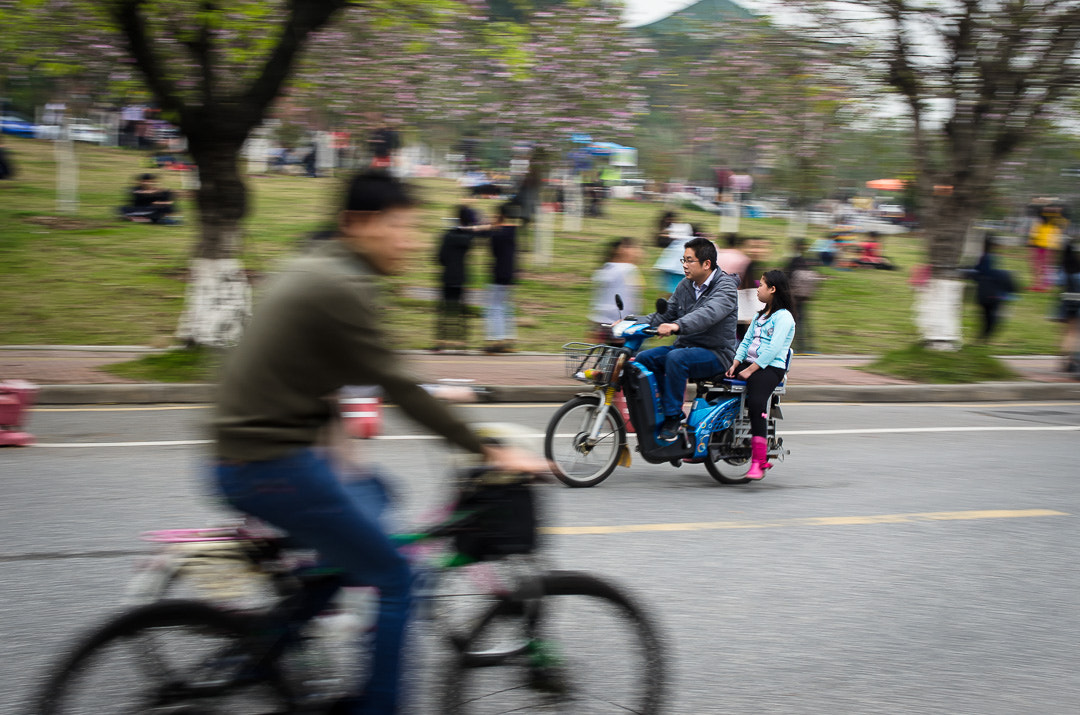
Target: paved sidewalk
[[72, 375], [75, 366]]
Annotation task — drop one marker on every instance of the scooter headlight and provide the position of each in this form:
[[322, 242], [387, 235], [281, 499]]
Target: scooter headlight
[[620, 328]]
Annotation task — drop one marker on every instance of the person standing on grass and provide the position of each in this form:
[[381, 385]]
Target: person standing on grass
[[451, 325], [1044, 238], [803, 281], [1070, 305], [761, 361], [499, 316], [993, 286], [6, 170], [619, 275]]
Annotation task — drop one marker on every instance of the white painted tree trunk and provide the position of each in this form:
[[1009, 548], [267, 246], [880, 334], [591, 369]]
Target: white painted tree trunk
[[217, 304], [573, 205], [729, 218], [255, 150], [938, 307], [797, 224], [325, 154], [67, 176], [543, 236]]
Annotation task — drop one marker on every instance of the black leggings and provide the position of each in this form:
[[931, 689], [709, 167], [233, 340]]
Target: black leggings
[[759, 388]]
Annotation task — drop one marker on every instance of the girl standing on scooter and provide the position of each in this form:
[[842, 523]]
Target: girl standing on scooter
[[762, 358]]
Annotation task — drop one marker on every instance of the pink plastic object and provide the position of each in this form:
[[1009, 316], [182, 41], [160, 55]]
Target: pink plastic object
[[16, 397], [187, 536]]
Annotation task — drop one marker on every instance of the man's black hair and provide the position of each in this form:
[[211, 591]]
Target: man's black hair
[[703, 249], [377, 191]]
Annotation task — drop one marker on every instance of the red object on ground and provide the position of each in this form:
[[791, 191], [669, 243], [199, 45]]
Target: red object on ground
[[16, 397], [620, 404], [362, 415]]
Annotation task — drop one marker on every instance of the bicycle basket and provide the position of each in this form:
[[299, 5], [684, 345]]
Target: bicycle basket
[[503, 522], [591, 363]]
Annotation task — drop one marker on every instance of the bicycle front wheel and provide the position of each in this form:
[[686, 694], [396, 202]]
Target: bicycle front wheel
[[579, 461], [591, 651], [167, 657]]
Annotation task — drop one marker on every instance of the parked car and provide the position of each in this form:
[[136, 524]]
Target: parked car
[[47, 131], [14, 124], [891, 212], [82, 130]]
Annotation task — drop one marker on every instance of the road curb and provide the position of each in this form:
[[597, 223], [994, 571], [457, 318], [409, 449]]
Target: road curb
[[199, 393], [125, 394]]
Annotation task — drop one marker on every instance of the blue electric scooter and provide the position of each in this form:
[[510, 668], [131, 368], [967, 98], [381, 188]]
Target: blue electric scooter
[[587, 437]]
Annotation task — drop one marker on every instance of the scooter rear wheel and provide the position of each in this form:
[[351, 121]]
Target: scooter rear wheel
[[729, 470], [576, 463]]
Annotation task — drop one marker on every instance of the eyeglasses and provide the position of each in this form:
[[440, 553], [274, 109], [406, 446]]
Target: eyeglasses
[[684, 261]]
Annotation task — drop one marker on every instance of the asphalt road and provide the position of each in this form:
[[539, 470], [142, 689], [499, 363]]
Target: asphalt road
[[904, 559]]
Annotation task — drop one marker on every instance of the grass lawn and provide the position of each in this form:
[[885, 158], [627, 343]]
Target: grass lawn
[[90, 279]]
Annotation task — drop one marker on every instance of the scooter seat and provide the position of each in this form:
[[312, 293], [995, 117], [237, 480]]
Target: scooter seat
[[722, 384]]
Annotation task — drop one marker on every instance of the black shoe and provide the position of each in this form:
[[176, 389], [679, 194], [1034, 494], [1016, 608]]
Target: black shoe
[[669, 429]]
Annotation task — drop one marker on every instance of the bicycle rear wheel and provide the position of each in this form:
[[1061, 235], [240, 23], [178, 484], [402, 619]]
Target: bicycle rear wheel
[[591, 651], [171, 657]]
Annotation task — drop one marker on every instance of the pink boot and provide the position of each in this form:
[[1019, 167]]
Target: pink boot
[[759, 459]]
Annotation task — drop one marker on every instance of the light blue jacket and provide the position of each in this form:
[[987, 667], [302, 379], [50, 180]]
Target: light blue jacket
[[776, 333]]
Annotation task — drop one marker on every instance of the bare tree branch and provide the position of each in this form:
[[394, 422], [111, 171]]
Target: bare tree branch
[[128, 17], [305, 17]]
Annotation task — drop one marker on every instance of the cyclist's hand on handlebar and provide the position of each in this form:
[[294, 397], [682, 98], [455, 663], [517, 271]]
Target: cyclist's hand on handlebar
[[516, 460]]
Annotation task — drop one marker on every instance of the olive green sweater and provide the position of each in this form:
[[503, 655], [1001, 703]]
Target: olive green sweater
[[316, 329]]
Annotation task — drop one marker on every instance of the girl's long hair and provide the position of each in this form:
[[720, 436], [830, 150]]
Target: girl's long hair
[[782, 297]]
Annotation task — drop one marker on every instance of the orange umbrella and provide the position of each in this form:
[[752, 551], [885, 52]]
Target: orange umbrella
[[886, 184]]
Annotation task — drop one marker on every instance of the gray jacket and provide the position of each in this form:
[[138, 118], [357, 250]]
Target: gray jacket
[[708, 322]]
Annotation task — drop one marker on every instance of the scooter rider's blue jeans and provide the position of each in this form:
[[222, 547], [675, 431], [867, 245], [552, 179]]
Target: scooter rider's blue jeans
[[302, 495], [673, 367]]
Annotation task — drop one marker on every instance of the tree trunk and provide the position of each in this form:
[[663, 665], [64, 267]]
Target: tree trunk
[[218, 299], [939, 303]]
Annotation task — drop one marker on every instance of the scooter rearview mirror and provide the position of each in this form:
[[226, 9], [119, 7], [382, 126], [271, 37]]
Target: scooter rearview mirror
[[618, 302], [661, 305]]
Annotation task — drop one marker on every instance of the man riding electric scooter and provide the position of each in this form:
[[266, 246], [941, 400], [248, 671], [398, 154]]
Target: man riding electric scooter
[[703, 312]]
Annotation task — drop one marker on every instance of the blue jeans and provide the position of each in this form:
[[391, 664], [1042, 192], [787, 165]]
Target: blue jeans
[[302, 495], [673, 367]]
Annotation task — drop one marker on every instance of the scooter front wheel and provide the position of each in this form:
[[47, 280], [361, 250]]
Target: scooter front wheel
[[578, 461]]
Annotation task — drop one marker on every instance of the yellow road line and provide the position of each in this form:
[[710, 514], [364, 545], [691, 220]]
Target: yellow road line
[[808, 521]]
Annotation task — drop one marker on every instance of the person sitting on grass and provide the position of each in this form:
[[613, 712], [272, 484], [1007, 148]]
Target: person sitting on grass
[[762, 359], [149, 203]]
